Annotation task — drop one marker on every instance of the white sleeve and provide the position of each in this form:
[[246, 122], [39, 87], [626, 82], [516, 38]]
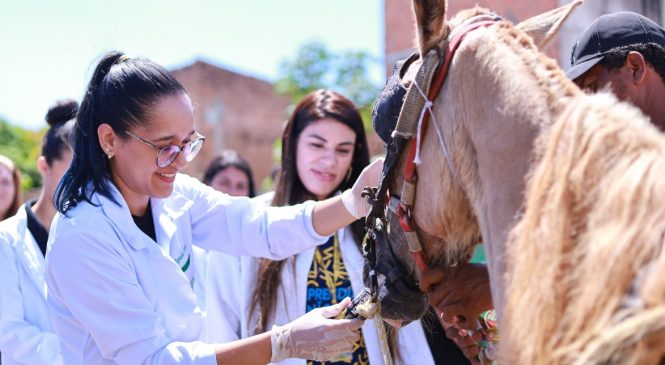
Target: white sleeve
[[223, 298], [20, 341], [246, 227], [93, 289]]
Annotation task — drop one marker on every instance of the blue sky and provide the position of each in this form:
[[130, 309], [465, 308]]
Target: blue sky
[[47, 47]]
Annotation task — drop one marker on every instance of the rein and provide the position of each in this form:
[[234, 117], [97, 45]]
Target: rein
[[408, 127]]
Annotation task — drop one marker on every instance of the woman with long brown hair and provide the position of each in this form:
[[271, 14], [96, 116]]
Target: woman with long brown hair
[[324, 148]]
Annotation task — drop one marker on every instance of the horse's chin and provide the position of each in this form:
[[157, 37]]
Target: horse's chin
[[399, 308]]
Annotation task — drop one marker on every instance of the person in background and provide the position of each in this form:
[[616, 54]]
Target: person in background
[[26, 333], [118, 270], [624, 53], [10, 188], [10, 191], [230, 173], [324, 148]]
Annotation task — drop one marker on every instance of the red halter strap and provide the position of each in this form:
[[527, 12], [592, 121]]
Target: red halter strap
[[435, 88], [403, 211]]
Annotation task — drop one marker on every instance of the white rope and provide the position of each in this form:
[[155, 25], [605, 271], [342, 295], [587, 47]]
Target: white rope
[[428, 108], [370, 310], [383, 340]]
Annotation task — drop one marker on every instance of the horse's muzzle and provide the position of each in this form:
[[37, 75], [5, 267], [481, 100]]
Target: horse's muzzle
[[399, 294]]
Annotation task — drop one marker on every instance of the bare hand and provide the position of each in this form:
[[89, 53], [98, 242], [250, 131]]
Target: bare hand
[[460, 294], [464, 341]]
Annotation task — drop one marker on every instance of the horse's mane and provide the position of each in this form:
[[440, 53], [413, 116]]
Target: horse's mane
[[590, 243]]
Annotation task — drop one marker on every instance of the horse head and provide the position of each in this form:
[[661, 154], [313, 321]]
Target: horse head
[[448, 194]]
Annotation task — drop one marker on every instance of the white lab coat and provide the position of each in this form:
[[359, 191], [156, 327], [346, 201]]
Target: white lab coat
[[231, 281], [117, 297], [26, 333], [200, 259]]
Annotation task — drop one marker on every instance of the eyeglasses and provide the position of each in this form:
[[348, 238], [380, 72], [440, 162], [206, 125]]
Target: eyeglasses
[[167, 154]]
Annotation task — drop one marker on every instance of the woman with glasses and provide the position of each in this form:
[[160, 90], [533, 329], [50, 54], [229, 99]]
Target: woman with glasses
[[119, 270]]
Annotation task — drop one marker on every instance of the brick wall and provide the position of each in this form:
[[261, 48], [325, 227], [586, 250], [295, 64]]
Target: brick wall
[[234, 111]]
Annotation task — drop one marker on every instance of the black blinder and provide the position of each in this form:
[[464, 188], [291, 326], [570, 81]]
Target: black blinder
[[389, 102]]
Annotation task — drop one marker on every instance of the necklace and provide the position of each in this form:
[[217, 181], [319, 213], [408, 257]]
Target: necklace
[[328, 267], [337, 268]]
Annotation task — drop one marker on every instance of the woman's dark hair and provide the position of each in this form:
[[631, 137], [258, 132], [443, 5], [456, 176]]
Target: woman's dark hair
[[60, 118], [121, 93], [317, 105], [653, 53], [226, 159]]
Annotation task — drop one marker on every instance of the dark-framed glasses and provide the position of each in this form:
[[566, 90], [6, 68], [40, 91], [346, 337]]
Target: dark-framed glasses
[[167, 154]]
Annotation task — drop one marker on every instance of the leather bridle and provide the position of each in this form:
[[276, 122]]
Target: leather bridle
[[408, 127]]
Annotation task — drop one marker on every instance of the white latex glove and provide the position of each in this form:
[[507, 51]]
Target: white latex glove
[[354, 204], [315, 336]]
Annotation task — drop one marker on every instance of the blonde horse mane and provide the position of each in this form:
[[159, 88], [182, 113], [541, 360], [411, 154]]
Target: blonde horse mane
[[587, 266]]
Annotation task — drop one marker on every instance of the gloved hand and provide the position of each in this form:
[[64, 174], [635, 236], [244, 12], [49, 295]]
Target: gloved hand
[[353, 202], [315, 335]]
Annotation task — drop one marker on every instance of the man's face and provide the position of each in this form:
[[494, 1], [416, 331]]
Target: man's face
[[599, 78]]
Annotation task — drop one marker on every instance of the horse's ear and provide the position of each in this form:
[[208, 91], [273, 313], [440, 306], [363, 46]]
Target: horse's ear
[[430, 23], [543, 27]]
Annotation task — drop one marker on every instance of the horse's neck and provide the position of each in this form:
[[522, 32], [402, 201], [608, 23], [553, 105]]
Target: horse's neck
[[504, 94]]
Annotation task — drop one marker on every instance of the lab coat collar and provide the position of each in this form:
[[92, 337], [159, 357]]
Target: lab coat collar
[[163, 213], [28, 253]]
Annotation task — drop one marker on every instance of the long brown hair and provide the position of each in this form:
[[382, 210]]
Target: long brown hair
[[16, 178], [317, 105]]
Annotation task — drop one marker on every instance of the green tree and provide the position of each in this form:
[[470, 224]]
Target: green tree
[[23, 147], [315, 67]]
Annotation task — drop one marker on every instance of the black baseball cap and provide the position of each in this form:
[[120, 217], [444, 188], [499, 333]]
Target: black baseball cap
[[608, 32]]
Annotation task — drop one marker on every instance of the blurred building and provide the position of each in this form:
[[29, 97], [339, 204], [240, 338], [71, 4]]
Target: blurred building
[[400, 28], [233, 111]]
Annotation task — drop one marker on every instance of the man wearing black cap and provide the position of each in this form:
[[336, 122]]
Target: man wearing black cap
[[625, 52]]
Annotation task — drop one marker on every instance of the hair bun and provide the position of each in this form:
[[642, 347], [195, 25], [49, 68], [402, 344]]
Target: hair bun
[[62, 111]]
